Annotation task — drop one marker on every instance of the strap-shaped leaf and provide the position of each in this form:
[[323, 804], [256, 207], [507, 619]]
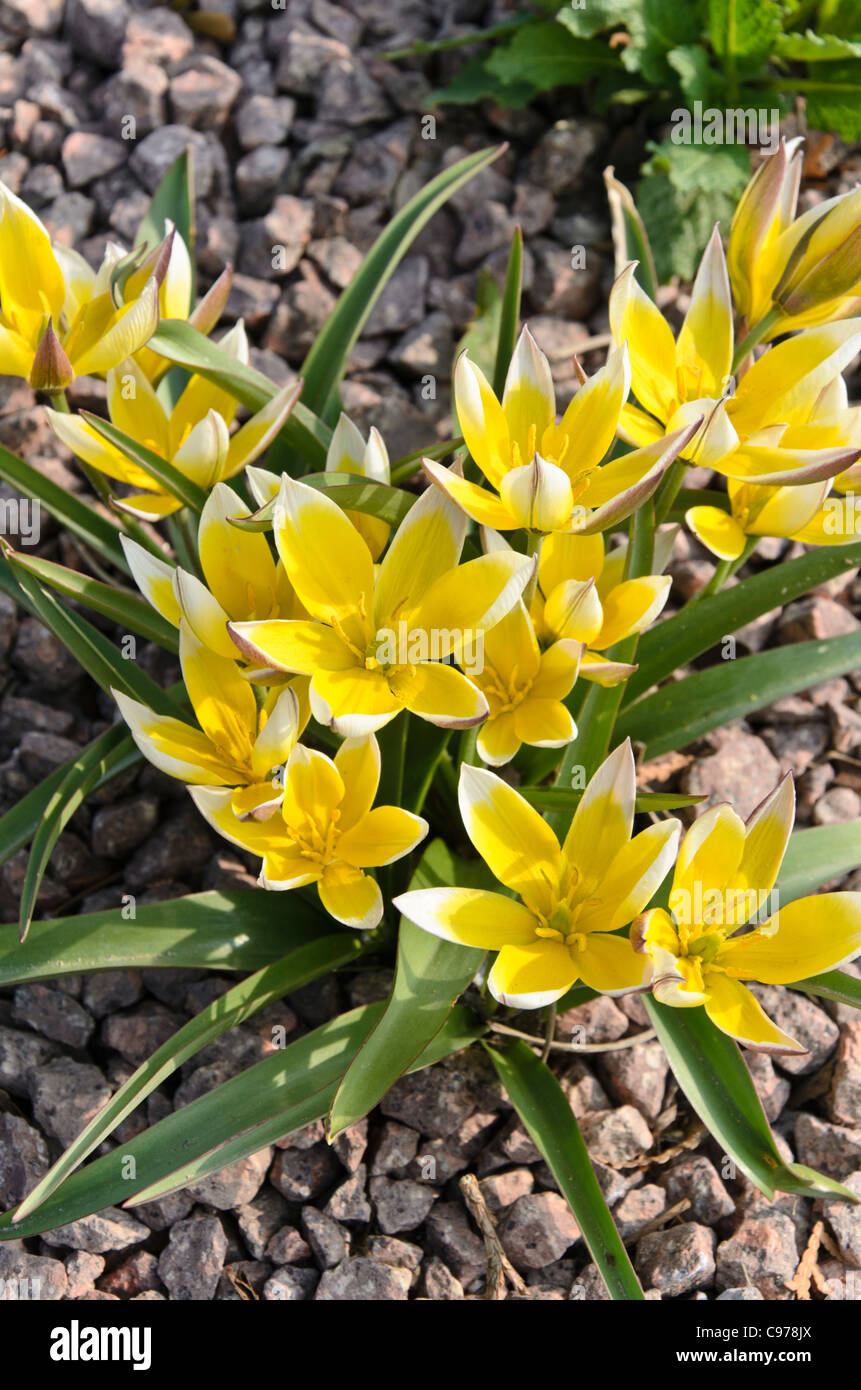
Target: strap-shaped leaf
[[567, 799], [546, 1112], [73, 514], [509, 316], [709, 1068], [677, 714], [88, 769], [163, 473], [301, 965], [429, 977], [815, 856], [118, 604], [353, 493], [173, 200], [266, 1102], [324, 366], [181, 343], [672, 644], [244, 930]]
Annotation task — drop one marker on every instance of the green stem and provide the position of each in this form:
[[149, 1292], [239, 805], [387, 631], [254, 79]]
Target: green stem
[[725, 569], [549, 1031], [755, 336], [668, 490]]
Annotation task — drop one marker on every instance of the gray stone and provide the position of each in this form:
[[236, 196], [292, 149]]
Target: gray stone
[[97, 28], [234, 1185], [203, 92], [110, 1229], [191, 1263], [678, 1260], [301, 1175], [290, 1285], [325, 1237], [538, 1229], [259, 1219], [762, 1252], [122, 826], [24, 1159], [66, 1096], [264, 120], [450, 1236], [82, 1271], [696, 1179], [87, 156], [401, 1205], [349, 1202], [153, 156], [53, 1013], [32, 1276], [616, 1137], [364, 1280]]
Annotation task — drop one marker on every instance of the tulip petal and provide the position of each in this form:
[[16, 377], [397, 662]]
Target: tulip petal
[[483, 506], [257, 837], [204, 614], [255, 436], [237, 564], [705, 341], [813, 935], [544, 723], [278, 736], [154, 578], [350, 896], [610, 965], [472, 598], [718, 530], [497, 741], [309, 525], [304, 647], [573, 611], [636, 319], [131, 327], [560, 664], [469, 917], [710, 855], [734, 1010], [529, 398], [631, 607], [767, 833], [604, 817], [634, 876], [514, 841], [569, 557], [529, 977], [173, 746], [384, 835], [538, 495], [591, 421], [482, 421], [353, 702], [440, 694], [425, 546], [358, 761], [223, 702]]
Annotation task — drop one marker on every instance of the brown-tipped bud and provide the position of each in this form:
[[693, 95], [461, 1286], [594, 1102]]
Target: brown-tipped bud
[[51, 371], [836, 275], [206, 314]]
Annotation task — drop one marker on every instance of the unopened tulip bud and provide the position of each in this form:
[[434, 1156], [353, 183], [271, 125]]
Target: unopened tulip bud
[[51, 371]]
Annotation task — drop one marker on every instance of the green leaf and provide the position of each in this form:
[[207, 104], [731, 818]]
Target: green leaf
[[832, 99], [815, 856], [630, 240], [547, 56], [119, 604], [587, 20], [216, 931], [684, 190], [181, 343], [324, 366], [429, 976], [173, 200], [99, 657], [304, 963], [475, 81], [835, 985], [481, 337], [82, 520], [743, 34], [168, 478], [509, 313], [18, 826], [268, 1101], [91, 767], [545, 1111], [709, 1068], [679, 713], [810, 47], [677, 641], [566, 798], [657, 29]]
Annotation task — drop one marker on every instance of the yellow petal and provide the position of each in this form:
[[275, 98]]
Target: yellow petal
[[734, 1010], [238, 565], [790, 372], [709, 856], [529, 398], [631, 607], [306, 647], [89, 446], [135, 408], [497, 741], [31, 282], [544, 723], [129, 329], [154, 578], [529, 977], [482, 421], [385, 834], [255, 436], [201, 458], [813, 935], [477, 502], [353, 702], [309, 525], [440, 694], [569, 557], [573, 611], [767, 833], [558, 671], [350, 896], [473, 597], [538, 495], [594, 667], [215, 804], [279, 733], [604, 817], [204, 614], [788, 510], [511, 646], [509, 834], [652, 350], [590, 423], [223, 702], [358, 761], [313, 791], [611, 965], [469, 917], [705, 342], [346, 447], [174, 747], [718, 530], [427, 543]]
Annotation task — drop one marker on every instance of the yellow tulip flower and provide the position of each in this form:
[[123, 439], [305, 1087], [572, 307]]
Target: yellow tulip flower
[[379, 640], [751, 428], [325, 831], [349, 453], [797, 271], [548, 476], [58, 318], [723, 882], [237, 745], [784, 512], [582, 595], [194, 436], [572, 898], [524, 688], [171, 264]]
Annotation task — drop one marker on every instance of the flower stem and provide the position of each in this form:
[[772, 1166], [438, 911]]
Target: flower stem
[[755, 336], [549, 1031]]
